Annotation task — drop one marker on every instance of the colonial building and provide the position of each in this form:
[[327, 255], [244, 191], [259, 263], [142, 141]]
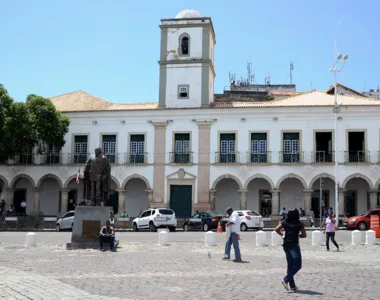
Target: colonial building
[[258, 147]]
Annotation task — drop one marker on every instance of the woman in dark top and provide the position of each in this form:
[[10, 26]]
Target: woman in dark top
[[292, 227]]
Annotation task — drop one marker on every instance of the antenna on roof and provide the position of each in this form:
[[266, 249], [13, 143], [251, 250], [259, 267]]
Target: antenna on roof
[[291, 72], [231, 77], [250, 76]]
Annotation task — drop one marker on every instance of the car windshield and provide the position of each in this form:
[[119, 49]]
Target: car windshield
[[166, 211], [252, 213], [215, 214], [363, 213]]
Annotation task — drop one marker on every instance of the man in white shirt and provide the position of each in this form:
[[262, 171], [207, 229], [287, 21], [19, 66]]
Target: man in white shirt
[[233, 229]]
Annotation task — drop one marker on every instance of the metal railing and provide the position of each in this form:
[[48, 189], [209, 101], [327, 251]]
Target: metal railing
[[227, 158], [290, 158], [78, 158], [135, 159], [323, 156], [356, 156], [180, 158], [51, 158], [258, 158]]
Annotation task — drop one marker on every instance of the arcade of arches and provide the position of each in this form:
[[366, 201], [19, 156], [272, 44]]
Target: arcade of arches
[[52, 196]]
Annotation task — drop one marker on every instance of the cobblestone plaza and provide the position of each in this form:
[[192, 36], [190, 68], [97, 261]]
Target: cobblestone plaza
[[141, 269]]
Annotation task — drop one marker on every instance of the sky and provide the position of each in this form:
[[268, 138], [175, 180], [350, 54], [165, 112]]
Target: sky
[[110, 48]]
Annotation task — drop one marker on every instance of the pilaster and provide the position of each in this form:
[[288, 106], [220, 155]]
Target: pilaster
[[159, 161], [243, 199], [64, 200], [307, 201], [121, 201], [275, 202]]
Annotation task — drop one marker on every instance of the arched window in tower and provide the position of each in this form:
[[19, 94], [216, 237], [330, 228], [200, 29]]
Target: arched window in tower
[[184, 45]]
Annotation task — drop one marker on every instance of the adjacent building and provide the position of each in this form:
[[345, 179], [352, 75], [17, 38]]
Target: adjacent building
[[258, 147]]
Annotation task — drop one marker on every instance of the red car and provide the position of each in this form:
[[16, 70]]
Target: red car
[[361, 222]]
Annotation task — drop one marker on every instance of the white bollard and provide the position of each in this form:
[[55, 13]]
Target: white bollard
[[276, 239], [261, 238], [30, 239], [210, 238], [163, 238], [356, 237], [316, 238], [370, 237]]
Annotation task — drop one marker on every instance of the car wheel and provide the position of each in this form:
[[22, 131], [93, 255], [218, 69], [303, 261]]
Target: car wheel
[[362, 226], [152, 228], [58, 228], [171, 229], [185, 227], [205, 227], [243, 227], [135, 228]]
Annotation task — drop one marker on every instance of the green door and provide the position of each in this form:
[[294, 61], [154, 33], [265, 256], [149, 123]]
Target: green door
[[180, 200]]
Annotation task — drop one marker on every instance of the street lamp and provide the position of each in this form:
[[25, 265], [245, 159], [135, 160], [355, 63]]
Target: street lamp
[[339, 62]]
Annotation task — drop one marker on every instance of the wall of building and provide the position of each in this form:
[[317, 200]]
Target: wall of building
[[195, 48]]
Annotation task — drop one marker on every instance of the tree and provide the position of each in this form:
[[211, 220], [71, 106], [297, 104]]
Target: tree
[[35, 123]]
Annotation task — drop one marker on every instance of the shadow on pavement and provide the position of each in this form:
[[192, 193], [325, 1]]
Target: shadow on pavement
[[307, 292]]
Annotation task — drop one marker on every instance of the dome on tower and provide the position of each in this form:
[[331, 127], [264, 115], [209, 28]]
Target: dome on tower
[[188, 14]]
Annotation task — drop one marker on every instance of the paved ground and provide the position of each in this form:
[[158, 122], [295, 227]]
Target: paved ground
[[143, 270]]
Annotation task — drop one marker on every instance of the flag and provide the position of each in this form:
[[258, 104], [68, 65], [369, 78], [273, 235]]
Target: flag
[[78, 176]]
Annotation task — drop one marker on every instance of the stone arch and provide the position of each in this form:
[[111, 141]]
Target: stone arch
[[260, 176], [19, 177], [226, 176], [316, 177], [292, 175], [40, 181], [357, 175], [377, 184], [184, 35], [71, 178], [5, 181], [136, 176]]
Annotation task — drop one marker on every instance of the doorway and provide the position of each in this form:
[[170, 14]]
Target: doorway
[[181, 200], [316, 203], [19, 196], [350, 202], [73, 194], [356, 147], [323, 149], [113, 201]]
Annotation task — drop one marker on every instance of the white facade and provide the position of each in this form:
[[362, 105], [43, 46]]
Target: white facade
[[216, 179]]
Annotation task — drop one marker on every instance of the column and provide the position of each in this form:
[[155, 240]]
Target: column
[[150, 197], [10, 197], [307, 201], [37, 199], [64, 200], [159, 161], [275, 202], [243, 199], [121, 201], [212, 199], [342, 210], [203, 186], [373, 199]]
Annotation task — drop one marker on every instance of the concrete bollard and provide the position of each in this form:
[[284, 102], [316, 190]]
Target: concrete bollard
[[163, 238], [356, 237], [276, 239], [210, 238], [261, 238], [370, 237], [316, 238], [30, 239]]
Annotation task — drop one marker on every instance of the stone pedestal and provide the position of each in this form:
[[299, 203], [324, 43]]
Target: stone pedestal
[[87, 224]]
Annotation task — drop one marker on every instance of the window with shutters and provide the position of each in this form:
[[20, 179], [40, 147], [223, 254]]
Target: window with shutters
[[109, 147], [227, 152], [183, 91], [137, 149], [259, 152], [27, 157], [52, 155], [182, 153], [291, 151], [80, 149]]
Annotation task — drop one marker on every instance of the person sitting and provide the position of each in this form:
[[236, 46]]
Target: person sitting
[[107, 234]]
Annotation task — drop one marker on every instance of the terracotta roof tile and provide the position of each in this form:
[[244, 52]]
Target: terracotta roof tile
[[79, 101]]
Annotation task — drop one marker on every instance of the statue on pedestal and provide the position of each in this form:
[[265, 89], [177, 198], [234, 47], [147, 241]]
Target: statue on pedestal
[[97, 178]]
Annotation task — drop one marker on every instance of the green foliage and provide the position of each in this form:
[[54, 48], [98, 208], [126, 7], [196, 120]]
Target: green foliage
[[35, 123], [270, 97]]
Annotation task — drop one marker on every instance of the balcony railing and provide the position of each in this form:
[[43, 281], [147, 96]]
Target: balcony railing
[[25, 159], [290, 158], [135, 159], [226, 158], [112, 158], [51, 159], [181, 158], [356, 156], [258, 158], [323, 156], [78, 158]]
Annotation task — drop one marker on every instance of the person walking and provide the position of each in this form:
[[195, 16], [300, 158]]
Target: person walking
[[292, 227], [330, 231], [233, 231]]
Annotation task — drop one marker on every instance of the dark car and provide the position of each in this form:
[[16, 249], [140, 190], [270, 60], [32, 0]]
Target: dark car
[[205, 220]]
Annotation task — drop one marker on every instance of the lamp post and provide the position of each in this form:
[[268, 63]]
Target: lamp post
[[339, 60]]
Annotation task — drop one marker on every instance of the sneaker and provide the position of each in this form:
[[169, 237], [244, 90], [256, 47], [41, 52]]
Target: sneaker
[[237, 260], [327, 249], [226, 258], [295, 288], [285, 284]]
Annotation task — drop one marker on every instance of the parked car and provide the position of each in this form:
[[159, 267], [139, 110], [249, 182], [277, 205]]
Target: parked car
[[361, 222], [155, 218], [66, 222], [250, 219], [205, 220]]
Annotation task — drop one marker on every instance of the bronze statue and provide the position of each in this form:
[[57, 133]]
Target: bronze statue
[[97, 178]]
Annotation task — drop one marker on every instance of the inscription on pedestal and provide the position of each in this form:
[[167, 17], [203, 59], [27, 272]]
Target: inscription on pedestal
[[90, 229]]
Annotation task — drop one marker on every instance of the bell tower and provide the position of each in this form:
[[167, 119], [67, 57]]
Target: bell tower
[[187, 61]]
